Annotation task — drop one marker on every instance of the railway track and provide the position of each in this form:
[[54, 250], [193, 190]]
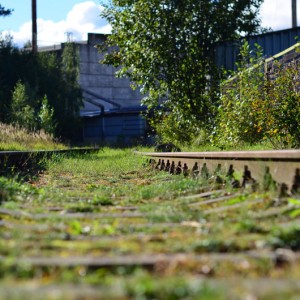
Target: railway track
[[267, 169], [26, 160], [155, 233]]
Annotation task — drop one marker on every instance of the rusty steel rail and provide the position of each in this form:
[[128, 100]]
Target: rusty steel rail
[[264, 168]]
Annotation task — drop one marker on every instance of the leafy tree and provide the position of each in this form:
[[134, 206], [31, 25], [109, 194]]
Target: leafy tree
[[51, 82], [70, 67], [167, 50], [4, 12], [43, 74], [73, 99], [46, 119], [21, 111], [7, 81]]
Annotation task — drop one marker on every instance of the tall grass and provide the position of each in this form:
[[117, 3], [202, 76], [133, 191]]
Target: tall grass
[[17, 138], [106, 163]]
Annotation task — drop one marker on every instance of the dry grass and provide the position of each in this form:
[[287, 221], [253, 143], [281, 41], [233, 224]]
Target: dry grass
[[16, 138]]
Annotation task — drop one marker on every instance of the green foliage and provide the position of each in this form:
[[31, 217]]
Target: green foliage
[[167, 50], [256, 107], [70, 67], [238, 113], [46, 117], [286, 238], [102, 200], [10, 190], [71, 93], [10, 74], [44, 75], [295, 211], [70, 63], [146, 287], [22, 113], [280, 111], [4, 11], [169, 128]]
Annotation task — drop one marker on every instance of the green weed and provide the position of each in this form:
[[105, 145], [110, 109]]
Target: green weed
[[143, 215], [287, 237]]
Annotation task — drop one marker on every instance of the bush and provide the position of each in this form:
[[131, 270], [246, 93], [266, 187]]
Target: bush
[[46, 117], [280, 112], [258, 107], [25, 79], [22, 113], [238, 115]]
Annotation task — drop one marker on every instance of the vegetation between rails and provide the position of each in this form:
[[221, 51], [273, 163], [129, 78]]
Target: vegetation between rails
[[109, 226], [113, 226]]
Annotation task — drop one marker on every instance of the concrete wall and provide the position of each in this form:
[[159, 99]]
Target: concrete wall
[[100, 79], [111, 112]]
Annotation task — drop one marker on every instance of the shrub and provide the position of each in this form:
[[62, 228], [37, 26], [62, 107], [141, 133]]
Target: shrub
[[21, 111], [46, 117], [256, 106], [238, 116], [280, 112]]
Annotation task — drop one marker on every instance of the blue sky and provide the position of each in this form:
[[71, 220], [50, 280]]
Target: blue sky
[[56, 17], [48, 10]]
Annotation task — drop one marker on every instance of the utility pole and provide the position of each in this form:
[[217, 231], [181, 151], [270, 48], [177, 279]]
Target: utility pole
[[34, 26], [294, 13]]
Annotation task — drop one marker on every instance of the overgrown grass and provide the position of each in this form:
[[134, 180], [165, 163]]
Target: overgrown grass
[[16, 138], [112, 204], [207, 147]]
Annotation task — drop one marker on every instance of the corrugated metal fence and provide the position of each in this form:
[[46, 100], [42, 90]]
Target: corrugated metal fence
[[271, 43]]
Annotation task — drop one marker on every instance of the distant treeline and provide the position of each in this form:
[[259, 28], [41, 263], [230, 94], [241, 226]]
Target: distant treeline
[[40, 91]]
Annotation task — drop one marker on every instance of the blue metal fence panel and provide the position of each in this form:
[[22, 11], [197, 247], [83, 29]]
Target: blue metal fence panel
[[114, 126], [125, 125], [92, 128], [271, 43]]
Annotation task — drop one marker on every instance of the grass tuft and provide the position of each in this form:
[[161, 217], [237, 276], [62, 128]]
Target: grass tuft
[[16, 138]]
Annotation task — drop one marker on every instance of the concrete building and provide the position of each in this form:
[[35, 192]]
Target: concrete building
[[98, 81], [112, 110]]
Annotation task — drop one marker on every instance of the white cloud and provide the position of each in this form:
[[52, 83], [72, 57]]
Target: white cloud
[[277, 14], [82, 19]]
